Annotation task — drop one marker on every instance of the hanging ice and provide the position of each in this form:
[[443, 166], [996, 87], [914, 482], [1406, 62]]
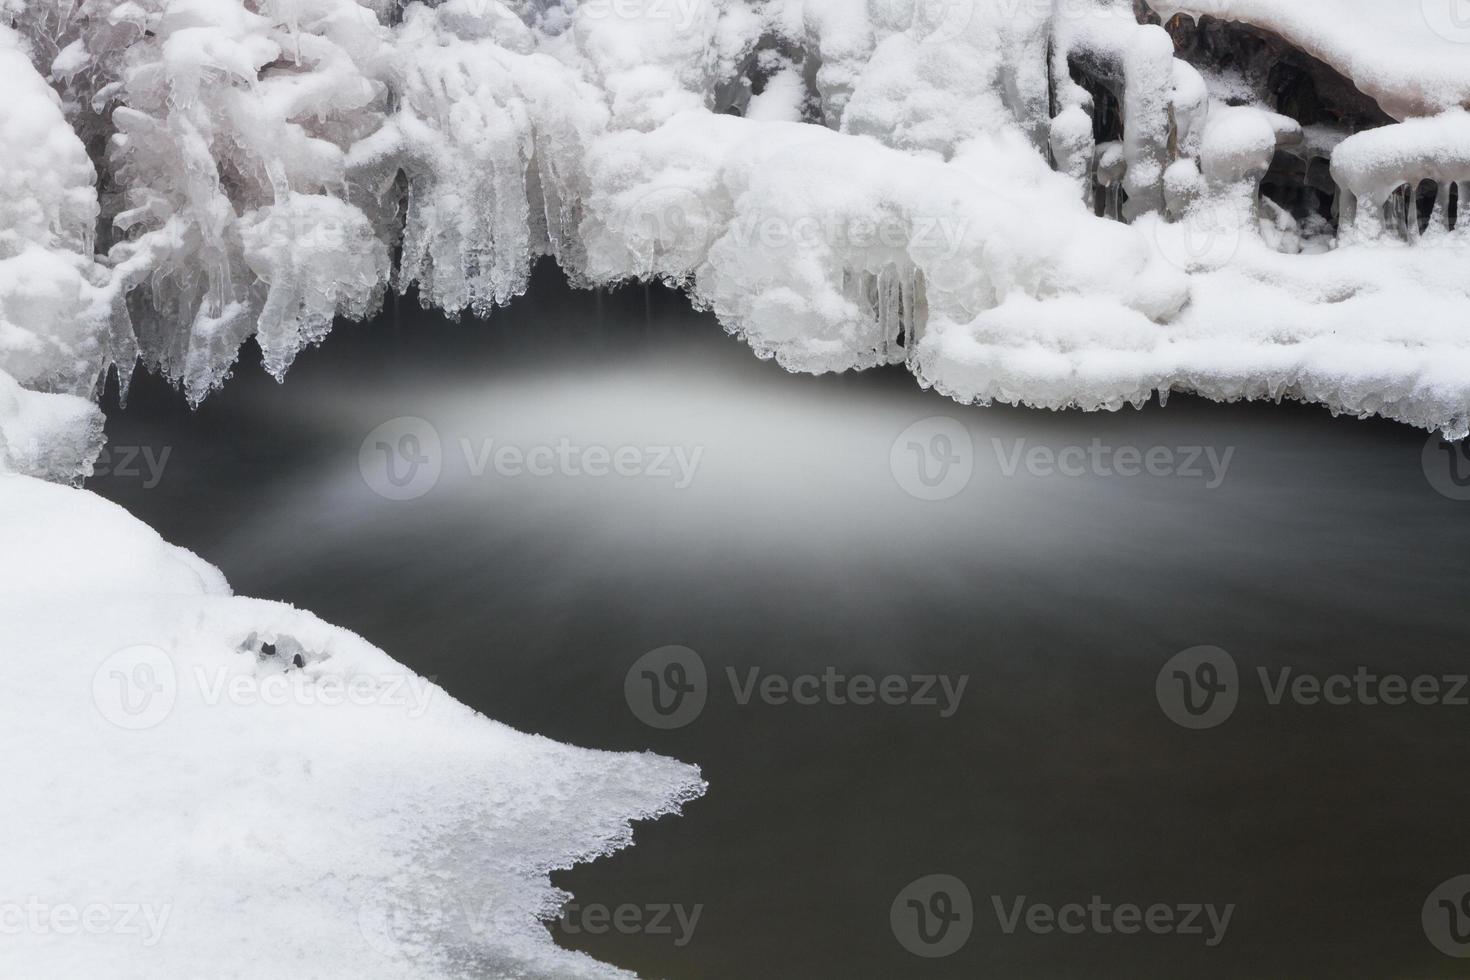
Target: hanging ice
[[946, 183]]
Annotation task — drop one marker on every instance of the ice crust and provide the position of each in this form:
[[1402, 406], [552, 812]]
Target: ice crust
[[845, 182], [393, 834]]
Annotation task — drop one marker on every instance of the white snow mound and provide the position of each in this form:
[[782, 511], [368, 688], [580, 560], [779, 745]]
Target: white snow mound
[[199, 785]]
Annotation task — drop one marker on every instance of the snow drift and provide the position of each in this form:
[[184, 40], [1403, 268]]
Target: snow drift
[[203, 785]]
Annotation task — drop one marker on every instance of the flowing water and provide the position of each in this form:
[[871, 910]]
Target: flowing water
[[802, 545]]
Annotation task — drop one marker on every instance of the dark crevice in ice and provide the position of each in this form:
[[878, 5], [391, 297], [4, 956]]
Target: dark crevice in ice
[[1103, 82], [1303, 187], [1289, 80], [771, 55]]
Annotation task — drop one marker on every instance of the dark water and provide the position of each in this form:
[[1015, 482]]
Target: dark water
[[1059, 777]]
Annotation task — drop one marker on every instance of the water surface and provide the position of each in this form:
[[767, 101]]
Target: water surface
[[793, 550]]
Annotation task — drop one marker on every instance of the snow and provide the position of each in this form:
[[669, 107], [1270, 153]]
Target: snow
[[1238, 144], [49, 435], [1409, 55], [1318, 330], [196, 173], [186, 798], [55, 299], [1375, 163]]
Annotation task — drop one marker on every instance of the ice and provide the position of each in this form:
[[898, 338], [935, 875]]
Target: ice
[[1372, 165], [1137, 63], [57, 329], [53, 436], [265, 795], [489, 138], [1409, 55], [212, 170], [952, 73]]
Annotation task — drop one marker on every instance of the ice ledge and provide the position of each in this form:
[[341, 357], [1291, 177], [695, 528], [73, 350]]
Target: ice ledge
[[265, 790], [928, 190]]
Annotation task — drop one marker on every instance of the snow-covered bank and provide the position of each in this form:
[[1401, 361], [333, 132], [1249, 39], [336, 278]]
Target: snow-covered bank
[[846, 182], [203, 785]]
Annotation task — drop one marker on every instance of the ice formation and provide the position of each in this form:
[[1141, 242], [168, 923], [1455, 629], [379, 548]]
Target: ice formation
[[201, 785], [1052, 202]]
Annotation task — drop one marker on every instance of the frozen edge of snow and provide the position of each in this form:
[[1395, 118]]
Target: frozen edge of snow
[[365, 838]]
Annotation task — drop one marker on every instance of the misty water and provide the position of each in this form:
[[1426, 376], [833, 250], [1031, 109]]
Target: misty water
[[795, 549]]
